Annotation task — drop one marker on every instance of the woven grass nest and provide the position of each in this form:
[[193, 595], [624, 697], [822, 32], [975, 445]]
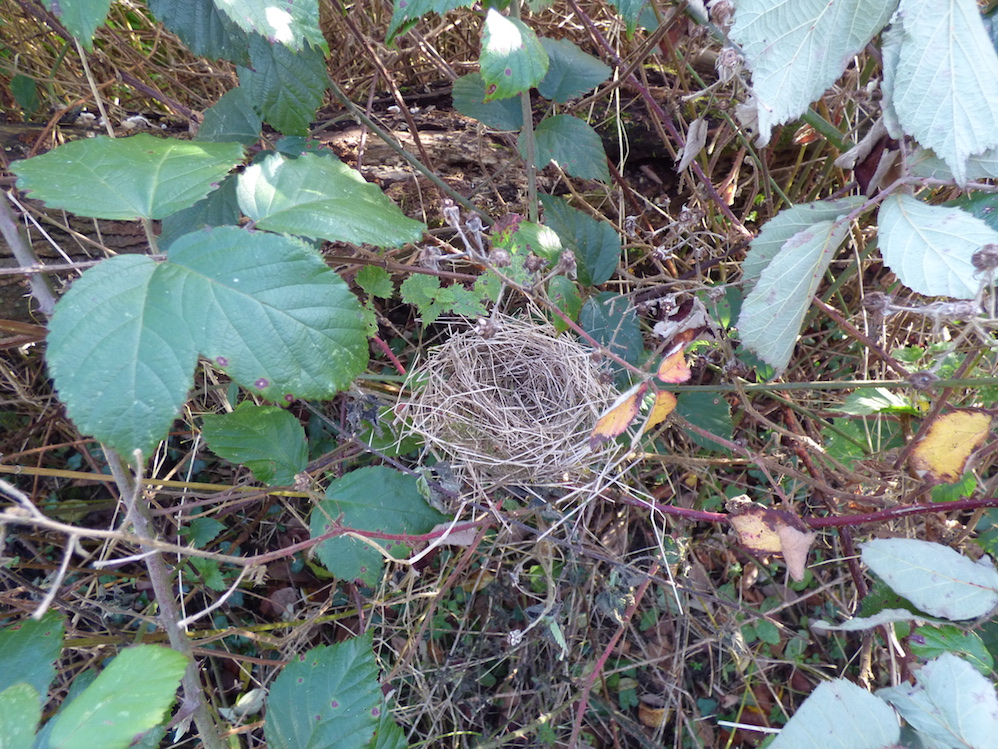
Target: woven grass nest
[[510, 401]]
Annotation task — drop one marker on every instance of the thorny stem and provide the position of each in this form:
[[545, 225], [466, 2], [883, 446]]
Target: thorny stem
[[169, 617]]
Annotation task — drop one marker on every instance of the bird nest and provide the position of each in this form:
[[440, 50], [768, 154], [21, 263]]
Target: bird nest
[[510, 401]]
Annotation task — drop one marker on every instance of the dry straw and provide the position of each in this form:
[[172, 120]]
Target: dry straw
[[511, 401]]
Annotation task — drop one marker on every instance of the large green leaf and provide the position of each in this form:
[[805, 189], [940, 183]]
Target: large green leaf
[[80, 17], [786, 224], [289, 24], [206, 30], [951, 704], [512, 59], [772, 313], [326, 697], [941, 77], [319, 196], [797, 50], [129, 697], [287, 86], [930, 247], [840, 715], [571, 71], [407, 12], [266, 439], [20, 712], [572, 144], [28, 651], [596, 244], [220, 208], [126, 178], [468, 93], [629, 10], [124, 340], [375, 498], [609, 318]]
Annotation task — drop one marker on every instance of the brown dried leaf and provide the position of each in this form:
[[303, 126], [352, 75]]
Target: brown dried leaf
[[764, 530]]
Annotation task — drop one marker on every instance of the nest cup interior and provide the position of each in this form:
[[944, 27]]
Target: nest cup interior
[[511, 401]]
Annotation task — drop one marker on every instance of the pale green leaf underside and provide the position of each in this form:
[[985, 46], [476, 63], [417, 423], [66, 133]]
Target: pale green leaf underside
[[328, 696], [944, 79], [572, 144], [785, 224], [290, 24], [375, 498], [128, 697], [512, 58], [796, 50], [773, 311], [125, 338], [319, 196], [840, 715], [935, 578], [930, 247], [950, 703], [126, 178]]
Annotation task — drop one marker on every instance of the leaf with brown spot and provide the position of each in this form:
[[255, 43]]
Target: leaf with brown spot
[[618, 417], [764, 530]]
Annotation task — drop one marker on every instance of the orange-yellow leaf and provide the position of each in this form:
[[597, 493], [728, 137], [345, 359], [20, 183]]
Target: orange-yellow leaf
[[665, 404], [618, 417], [674, 368], [942, 455]]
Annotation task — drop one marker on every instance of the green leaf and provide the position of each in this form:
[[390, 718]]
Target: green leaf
[[571, 71], [406, 12], [321, 197], [468, 93], [326, 697], [596, 244], [199, 532], [519, 237], [785, 225], [20, 713], [840, 715], [124, 340], [609, 318], [773, 311], [709, 411], [629, 10], [80, 17], [287, 86], [205, 29], [432, 299], [565, 295], [28, 651], [796, 51], [288, 24], [220, 208], [128, 697], [25, 92], [232, 119], [930, 247], [376, 281], [935, 578], [375, 498], [118, 357], [572, 144], [266, 439], [877, 401], [942, 77], [388, 734], [929, 642], [512, 59], [951, 704], [126, 178], [210, 573]]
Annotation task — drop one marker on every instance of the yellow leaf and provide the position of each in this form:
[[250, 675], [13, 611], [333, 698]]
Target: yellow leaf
[[618, 417], [942, 455], [674, 368], [764, 530], [665, 404]]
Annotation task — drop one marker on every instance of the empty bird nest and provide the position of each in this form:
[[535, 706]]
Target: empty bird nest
[[510, 401]]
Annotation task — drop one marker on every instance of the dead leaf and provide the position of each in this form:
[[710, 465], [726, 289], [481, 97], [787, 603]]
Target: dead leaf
[[764, 530], [674, 368], [665, 404], [618, 417], [942, 455]]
